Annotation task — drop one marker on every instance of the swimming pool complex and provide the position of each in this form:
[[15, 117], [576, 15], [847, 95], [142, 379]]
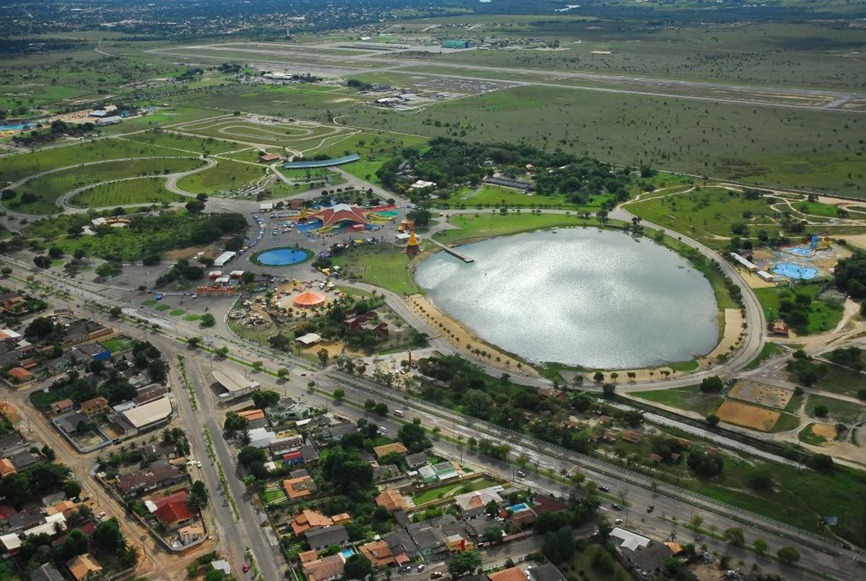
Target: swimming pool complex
[[795, 271]]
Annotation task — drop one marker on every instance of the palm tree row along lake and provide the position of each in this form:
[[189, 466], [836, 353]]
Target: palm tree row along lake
[[578, 296]]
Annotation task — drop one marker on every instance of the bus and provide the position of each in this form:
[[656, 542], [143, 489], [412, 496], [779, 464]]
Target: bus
[[398, 413]]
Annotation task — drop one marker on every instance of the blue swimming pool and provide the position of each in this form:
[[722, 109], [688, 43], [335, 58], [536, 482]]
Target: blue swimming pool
[[795, 271], [311, 225], [800, 251], [282, 256], [346, 553], [518, 507], [18, 127]]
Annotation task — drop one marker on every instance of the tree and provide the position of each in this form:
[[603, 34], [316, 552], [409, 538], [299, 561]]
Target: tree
[[713, 420], [115, 312], [235, 423], [414, 436], [265, 399], [559, 546], [43, 261], [713, 384], [608, 390], [107, 537], [108, 269], [821, 411], [323, 357], [207, 320], [604, 528], [71, 488], [283, 373], [598, 377], [339, 394], [492, 534], [40, 327], [195, 206], [74, 544], [760, 546], [788, 555], [735, 536], [464, 563], [357, 567], [194, 342], [198, 495]]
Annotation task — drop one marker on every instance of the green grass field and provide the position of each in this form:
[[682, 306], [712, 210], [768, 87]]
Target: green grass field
[[143, 191], [686, 398], [768, 351], [488, 225], [707, 215], [842, 380], [497, 196], [280, 134], [583, 563], [817, 209], [823, 315], [182, 143], [48, 188], [839, 411], [381, 265], [227, 175]]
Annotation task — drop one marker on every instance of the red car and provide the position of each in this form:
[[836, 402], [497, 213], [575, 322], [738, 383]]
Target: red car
[[245, 567]]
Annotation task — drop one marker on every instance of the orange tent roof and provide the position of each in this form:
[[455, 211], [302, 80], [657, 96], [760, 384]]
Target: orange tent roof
[[341, 213], [308, 299]]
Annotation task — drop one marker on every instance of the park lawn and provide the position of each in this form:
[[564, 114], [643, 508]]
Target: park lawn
[[48, 188], [810, 437], [143, 191], [227, 175], [381, 265], [118, 344], [366, 169], [487, 225], [182, 143], [768, 351], [271, 496], [684, 366], [369, 144], [498, 196], [706, 214], [823, 315], [685, 398], [799, 498], [817, 209], [584, 558], [451, 490], [839, 411], [785, 422]]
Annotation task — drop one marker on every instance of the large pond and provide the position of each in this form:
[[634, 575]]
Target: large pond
[[579, 296]]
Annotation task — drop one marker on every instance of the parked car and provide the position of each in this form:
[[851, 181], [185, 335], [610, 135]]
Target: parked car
[[245, 568], [421, 567], [615, 506], [604, 488], [651, 508], [521, 474], [101, 515], [618, 521], [436, 575]]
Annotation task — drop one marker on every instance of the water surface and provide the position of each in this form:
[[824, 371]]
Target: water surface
[[578, 296]]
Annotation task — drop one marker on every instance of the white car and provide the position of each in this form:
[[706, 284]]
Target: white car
[[101, 515]]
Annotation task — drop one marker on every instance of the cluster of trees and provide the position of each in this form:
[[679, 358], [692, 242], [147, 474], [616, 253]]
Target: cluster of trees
[[850, 357], [583, 178], [704, 464], [850, 275], [57, 130], [794, 309], [330, 326], [182, 269], [24, 487], [804, 369]]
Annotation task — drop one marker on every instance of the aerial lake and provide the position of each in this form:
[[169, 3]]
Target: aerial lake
[[578, 296]]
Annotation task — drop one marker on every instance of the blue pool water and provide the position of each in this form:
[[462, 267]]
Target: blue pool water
[[311, 225], [518, 507], [801, 251], [346, 553], [16, 127], [282, 257], [795, 271]]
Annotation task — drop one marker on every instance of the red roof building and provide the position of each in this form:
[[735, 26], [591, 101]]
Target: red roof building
[[174, 510], [338, 213]]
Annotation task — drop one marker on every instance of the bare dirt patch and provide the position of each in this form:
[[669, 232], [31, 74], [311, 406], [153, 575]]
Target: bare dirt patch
[[765, 395], [748, 416], [825, 431]]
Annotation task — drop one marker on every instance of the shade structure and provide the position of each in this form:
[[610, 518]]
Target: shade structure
[[341, 213], [308, 299]]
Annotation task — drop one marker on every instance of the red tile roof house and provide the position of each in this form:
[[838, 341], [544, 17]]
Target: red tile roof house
[[19, 376], [173, 510]]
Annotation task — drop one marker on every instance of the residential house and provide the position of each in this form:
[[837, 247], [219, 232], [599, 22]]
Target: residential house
[[6, 467], [334, 433], [84, 567], [311, 519], [26, 459], [473, 503], [190, 534], [255, 417], [20, 376], [286, 445], [46, 572], [456, 543], [309, 454], [522, 520], [546, 572], [392, 500], [547, 503], [148, 479], [301, 487], [379, 553], [415, 461], [93, 407], [402, 546], [429, 540], [62, 406], [94, 352], [325, 537], [327, 569], [393, 448], [173, 510], [510, 574], [647, 561]]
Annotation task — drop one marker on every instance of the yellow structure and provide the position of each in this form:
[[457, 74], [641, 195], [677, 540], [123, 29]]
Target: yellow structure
[[412, 246]]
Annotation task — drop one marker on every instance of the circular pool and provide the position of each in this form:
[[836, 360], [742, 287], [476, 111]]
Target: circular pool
[[580, 297], [282, 256], [795, 271]]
